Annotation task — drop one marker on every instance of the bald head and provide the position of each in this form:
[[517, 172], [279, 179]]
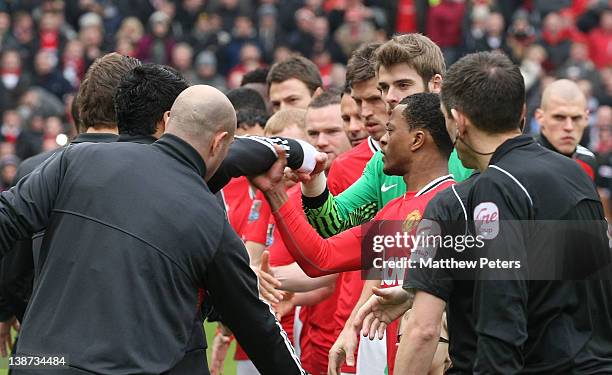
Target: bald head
[[563, 115], [562, 90], [201, 110], [204, 117]]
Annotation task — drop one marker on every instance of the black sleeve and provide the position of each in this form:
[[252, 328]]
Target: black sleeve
[[500, 295], [232, 288], [26, 208], [250, 156]]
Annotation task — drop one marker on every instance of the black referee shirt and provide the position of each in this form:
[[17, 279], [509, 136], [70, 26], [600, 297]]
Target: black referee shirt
[[543, 317], [448, 209]]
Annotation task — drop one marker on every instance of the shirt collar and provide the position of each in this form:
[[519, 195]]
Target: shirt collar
[[542, 140], [181, 151], [374, 145], [96, 138], [142, 139], [509, 145]]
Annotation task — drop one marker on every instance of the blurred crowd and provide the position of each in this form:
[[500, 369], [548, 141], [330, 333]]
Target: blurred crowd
[[46, 47]]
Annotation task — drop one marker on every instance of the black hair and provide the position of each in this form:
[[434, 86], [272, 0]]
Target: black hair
[[243, 97], [144, 95], [423, 112], [249, 117], [258, 75], [488, 88]]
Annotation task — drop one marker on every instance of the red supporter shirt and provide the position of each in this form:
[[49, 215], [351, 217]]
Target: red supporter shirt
[[600, 47], [238, 197], [345, 170], [342, 252], [348, 167]]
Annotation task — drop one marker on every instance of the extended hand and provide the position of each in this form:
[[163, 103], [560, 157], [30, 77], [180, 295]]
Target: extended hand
[[6, 341], [273, 178], [268, 284], [343, 349], [381, 309]]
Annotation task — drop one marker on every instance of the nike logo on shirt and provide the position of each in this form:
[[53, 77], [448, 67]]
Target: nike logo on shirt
[[385, 188]]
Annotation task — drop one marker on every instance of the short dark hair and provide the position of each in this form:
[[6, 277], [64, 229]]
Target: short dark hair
[[423, 112], [258, 75], [297, 67], [96, 94], [250, 117], [243, 97], [74, 111], [143, 96], [328, 97], [361, 65], [488, 88]]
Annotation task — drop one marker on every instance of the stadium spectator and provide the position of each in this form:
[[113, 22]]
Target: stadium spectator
[[157, 45], [182, 60], [15, 79], [48, 76], [292, 83], [206, 71]]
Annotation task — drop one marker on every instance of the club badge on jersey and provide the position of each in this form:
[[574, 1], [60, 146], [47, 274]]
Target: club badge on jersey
[[255, 208]]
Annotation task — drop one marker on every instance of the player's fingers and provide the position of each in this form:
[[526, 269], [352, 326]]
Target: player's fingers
[[350, 354], [373, 328], [367, 322], [363, 312], [381, 330], [269, 279], [265, 261], [336, 357]]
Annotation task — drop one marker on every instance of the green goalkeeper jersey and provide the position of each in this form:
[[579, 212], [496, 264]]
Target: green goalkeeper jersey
[[330, 215]]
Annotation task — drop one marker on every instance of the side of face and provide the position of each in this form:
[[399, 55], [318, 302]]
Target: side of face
[[371, 106], [351, 120], [399, 81], [325, 131], [396, 144], [457, 127], [291, 93], [562, 122], [218, 149]]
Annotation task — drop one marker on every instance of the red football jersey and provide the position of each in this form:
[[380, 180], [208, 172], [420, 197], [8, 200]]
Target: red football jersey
[[348, 167], [345, 170], [238, 197], [342, 252]]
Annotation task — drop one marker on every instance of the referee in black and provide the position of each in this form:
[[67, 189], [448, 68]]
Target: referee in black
[[551, 314]]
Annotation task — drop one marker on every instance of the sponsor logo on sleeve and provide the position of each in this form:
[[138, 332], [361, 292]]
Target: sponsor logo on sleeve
[[486, 220]]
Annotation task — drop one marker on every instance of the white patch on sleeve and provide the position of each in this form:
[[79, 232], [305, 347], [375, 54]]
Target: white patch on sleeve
[[486, 220], [309, 162]]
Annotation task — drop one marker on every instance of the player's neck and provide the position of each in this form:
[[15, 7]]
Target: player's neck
[[488, 144], [424, 172]]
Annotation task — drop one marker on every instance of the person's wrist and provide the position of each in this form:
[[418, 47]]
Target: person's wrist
[[276, 198], [316, 186]]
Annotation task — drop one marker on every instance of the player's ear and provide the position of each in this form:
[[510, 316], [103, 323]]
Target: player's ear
[[460, 120], [418, 140], [539, 116], [317, 92], [435, 84], [218, 142]]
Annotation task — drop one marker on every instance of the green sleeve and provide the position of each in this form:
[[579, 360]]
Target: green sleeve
[[459, 172], [326, 220], [352, 207]]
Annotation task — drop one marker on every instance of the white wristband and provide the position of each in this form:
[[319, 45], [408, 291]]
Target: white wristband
[[309, 162]]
